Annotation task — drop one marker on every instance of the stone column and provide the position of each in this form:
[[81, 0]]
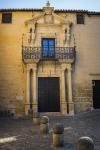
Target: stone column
[[34, 82], [27, 104], [69, 86], [63, 91]]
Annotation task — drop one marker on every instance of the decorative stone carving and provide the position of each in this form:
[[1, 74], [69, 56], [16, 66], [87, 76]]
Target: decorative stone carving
[[47, 9], [48, 19], [32, 33], [48, 4], [68, 34], [48, 13]]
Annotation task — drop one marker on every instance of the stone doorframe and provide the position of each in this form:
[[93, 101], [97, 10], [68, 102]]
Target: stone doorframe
[[67, 99], [66, 102]]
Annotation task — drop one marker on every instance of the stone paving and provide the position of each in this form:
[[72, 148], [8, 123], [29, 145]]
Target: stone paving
[[20, 134]]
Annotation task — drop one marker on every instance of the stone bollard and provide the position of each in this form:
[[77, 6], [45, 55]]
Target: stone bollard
[[36, 118], [58, 139], [85, 143], [44, 125]]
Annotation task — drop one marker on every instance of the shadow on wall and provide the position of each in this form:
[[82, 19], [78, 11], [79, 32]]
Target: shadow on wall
[[5, 112]]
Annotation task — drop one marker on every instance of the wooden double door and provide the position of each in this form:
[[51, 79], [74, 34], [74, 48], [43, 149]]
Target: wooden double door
[[48, 94]]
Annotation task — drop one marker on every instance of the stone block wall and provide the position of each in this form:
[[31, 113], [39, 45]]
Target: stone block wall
[[82, 96]]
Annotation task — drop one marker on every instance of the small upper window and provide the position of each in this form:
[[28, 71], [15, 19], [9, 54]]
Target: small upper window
[[80, 19], [6, 17]]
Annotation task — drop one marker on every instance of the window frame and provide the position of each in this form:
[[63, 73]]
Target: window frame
[[82, 21], [48, 48], [6, 21]]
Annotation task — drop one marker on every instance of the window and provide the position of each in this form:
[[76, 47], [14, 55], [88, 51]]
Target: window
[[48, 47], [6, 17], [80, 19]]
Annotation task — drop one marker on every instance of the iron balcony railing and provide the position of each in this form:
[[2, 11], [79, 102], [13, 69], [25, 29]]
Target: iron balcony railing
[[32, 53]]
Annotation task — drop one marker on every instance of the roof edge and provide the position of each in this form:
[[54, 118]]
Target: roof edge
[[56, 10]]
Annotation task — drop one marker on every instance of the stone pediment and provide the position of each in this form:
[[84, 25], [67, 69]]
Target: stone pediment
[[48, 17], [35, 19]]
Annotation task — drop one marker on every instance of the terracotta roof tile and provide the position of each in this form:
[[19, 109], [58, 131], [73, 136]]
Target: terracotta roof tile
[[56, 10]]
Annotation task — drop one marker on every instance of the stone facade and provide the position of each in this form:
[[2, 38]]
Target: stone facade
[[76, 75]]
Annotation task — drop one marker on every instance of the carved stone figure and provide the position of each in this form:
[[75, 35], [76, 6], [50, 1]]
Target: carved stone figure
[[68, 34], [32, 33]]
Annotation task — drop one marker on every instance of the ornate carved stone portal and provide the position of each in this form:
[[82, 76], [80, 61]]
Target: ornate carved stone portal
[[50, 25]]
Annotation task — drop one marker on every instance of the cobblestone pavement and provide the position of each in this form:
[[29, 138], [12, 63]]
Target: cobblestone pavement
[[20, 134]]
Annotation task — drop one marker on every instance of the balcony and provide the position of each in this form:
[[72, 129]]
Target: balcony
[[31, 54]]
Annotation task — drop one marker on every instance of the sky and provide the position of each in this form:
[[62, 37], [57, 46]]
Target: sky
[[92, 5]]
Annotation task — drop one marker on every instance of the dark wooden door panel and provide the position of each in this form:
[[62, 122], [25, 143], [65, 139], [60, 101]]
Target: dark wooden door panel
[[96, 94], [48, 94]]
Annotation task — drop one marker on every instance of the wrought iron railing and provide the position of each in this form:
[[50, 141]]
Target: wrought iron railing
[[42, 54]]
